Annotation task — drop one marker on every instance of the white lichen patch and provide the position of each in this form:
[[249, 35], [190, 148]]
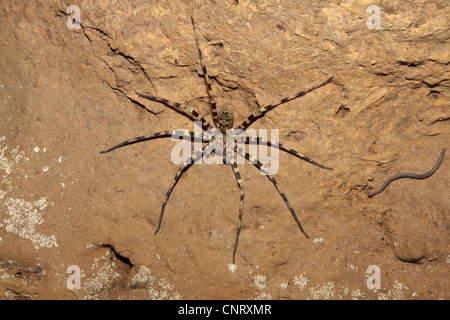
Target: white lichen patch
[[7, 161], [325, 291], [143, 278], [259, 281], [164, 290], [263, 296], [357, 294], [395, 294], [24, 216], [301, 281], [284, 285], [232, 267], [318, 240], [157, 290], [100, 283]]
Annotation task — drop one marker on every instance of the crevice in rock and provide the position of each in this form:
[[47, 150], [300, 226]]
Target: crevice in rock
[[116, 51], [132, 60], [136, 102], [342, 111], [118, 256], [440, 119], [410, 63], [96, 29]]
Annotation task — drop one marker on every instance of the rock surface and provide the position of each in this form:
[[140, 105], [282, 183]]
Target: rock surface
[[67, 93]]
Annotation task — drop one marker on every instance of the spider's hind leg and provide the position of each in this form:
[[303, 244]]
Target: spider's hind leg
[[184, 167], [239, 181], [261, 140], [263, 169]]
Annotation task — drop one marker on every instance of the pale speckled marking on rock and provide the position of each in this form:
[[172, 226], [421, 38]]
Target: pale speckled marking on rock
[[24, 216], [224, 120], [157, 290]]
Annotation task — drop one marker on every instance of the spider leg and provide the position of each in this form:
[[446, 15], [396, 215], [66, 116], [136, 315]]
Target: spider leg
[[238, 176], [288, 150], [184, 167], [261, 111], [261, 167], [156, 135], [214, 112], [184, 108]]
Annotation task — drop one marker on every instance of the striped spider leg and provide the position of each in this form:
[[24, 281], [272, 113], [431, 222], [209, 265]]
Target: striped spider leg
[[183, 108], [261, 140], [272, 179], [237, 174], [212, 101], [155, 135], [184, 166], [263, 110], [257, 140], [263, 169]]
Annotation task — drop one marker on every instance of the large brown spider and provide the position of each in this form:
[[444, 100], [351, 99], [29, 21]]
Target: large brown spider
[[223, 121]]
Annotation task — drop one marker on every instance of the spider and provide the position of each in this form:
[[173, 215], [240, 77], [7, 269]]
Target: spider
[[223, 120]]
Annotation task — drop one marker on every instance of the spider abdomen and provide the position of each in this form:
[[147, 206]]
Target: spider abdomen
[[226, 118]]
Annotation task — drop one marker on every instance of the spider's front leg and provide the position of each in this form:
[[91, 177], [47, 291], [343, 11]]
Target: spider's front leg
[[263, 110], [214, 112], [183, 108]]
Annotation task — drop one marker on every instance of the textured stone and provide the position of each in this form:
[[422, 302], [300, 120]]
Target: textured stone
[[66, 94]]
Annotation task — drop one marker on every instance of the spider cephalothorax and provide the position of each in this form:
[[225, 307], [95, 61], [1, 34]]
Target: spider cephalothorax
[[224, 120]]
